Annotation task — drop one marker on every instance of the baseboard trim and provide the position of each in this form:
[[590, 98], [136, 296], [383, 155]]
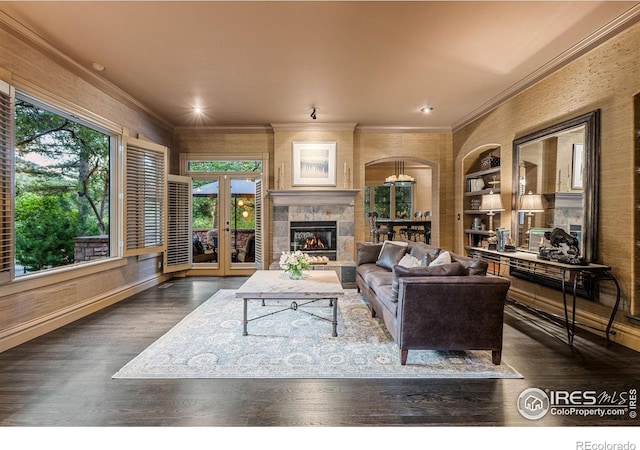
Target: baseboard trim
[[27, 331], [625, 334]]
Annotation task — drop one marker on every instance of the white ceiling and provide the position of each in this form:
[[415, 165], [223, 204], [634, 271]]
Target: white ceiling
[[371, 63]]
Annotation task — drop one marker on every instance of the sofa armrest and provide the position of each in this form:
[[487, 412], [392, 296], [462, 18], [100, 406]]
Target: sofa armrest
[[458, 312]]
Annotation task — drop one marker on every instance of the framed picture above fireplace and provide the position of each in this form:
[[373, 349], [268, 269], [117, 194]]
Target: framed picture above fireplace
[[314, 163]]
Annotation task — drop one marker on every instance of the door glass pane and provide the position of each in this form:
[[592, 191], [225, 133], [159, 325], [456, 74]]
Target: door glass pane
[[205, 221], [403, 202], [382, 201], [243, 220]]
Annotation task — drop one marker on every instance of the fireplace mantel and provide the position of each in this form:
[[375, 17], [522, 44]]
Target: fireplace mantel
[[302, 197]]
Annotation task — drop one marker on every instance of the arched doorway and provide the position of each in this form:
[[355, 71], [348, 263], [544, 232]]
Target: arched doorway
[[400, 202]]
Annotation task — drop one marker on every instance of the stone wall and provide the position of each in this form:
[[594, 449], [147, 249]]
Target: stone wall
[[88, 248], [342, 214]]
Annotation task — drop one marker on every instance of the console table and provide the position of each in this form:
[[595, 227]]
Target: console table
[[567, 273]]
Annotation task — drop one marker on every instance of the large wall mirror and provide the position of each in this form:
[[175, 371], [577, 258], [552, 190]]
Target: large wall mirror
[[555, 179]]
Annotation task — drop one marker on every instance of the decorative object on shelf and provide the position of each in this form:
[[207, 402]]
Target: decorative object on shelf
[[478, 224], [489, 162], [565, 248], [530, 203], [503, 235], [510, 246], [293, 263], [399, 178], [492, 242], [491, 202], [477, 184]]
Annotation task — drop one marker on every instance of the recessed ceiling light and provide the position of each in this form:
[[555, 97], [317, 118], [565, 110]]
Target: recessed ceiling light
[[197, 110], [97, 66], [426, 109]]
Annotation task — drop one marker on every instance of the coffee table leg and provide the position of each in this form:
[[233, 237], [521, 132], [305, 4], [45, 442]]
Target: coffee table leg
[[335, 317], [244, 318]]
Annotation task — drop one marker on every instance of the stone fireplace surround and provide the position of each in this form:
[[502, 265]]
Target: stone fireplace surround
[[317, 205]]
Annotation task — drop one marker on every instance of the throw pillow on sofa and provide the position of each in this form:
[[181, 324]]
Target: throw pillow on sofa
[[440, 270], [390, 255], [400, 243], [367, 252], [443, 258], [409, 261]]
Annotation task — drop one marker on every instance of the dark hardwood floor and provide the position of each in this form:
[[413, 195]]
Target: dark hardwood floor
[[64, 378]]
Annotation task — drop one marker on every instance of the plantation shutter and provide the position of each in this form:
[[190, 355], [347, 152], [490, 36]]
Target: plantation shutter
[[259, 241], [6, 181], [179, 249], [145, 197]]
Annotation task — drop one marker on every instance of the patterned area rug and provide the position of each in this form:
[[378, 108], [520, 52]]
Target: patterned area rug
[[208, 343]]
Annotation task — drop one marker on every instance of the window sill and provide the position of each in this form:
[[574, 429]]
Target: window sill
[[60, 275]]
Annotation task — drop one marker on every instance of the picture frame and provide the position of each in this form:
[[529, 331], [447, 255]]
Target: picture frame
[[577, 164], [536, 237], [314, 163]]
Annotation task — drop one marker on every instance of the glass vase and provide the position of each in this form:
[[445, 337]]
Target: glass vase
[[295, 273]]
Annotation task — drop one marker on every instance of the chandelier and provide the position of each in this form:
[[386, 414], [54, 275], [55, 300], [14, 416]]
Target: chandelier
[[399, 178]]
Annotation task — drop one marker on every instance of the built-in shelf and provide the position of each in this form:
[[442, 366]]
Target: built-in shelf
[[476, 211], [481, 173], [482, 192], [474, 191]]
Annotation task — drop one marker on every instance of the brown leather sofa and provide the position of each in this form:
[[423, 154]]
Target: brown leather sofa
[[454, 306]]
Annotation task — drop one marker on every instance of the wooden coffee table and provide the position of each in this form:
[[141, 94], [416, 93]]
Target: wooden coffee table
[[276, 285]]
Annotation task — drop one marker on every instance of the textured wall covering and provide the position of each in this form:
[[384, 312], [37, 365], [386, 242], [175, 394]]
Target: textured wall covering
[[607, 78]]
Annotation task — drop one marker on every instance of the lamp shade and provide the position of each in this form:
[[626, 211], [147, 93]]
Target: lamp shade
[[491, 202], [531, 202]]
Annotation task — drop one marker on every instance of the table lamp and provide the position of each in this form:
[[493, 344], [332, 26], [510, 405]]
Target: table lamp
[[491, 202], [530, 203]]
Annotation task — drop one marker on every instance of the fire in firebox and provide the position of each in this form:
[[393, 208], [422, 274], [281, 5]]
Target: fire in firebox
[[313, 242]]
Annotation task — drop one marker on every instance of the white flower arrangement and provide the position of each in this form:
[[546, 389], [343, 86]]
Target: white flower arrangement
[[294, 263]]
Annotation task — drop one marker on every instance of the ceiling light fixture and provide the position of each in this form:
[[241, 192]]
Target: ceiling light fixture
[[97, 66], [426, 109], [399, 178]]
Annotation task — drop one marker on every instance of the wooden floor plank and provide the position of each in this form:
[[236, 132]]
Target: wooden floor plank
[[64, 378]]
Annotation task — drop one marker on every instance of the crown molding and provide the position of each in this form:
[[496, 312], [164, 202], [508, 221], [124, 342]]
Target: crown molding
[[223, 129], [606, 32], [283, 127], [400, 129], [19, 31]]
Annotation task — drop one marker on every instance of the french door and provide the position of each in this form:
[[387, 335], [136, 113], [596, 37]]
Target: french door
[[226, 222]]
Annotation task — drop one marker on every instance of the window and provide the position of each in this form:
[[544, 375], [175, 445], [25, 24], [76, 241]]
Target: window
[[390, 202], [224, 166], [403, 202], [60, 169], [62, 189]]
